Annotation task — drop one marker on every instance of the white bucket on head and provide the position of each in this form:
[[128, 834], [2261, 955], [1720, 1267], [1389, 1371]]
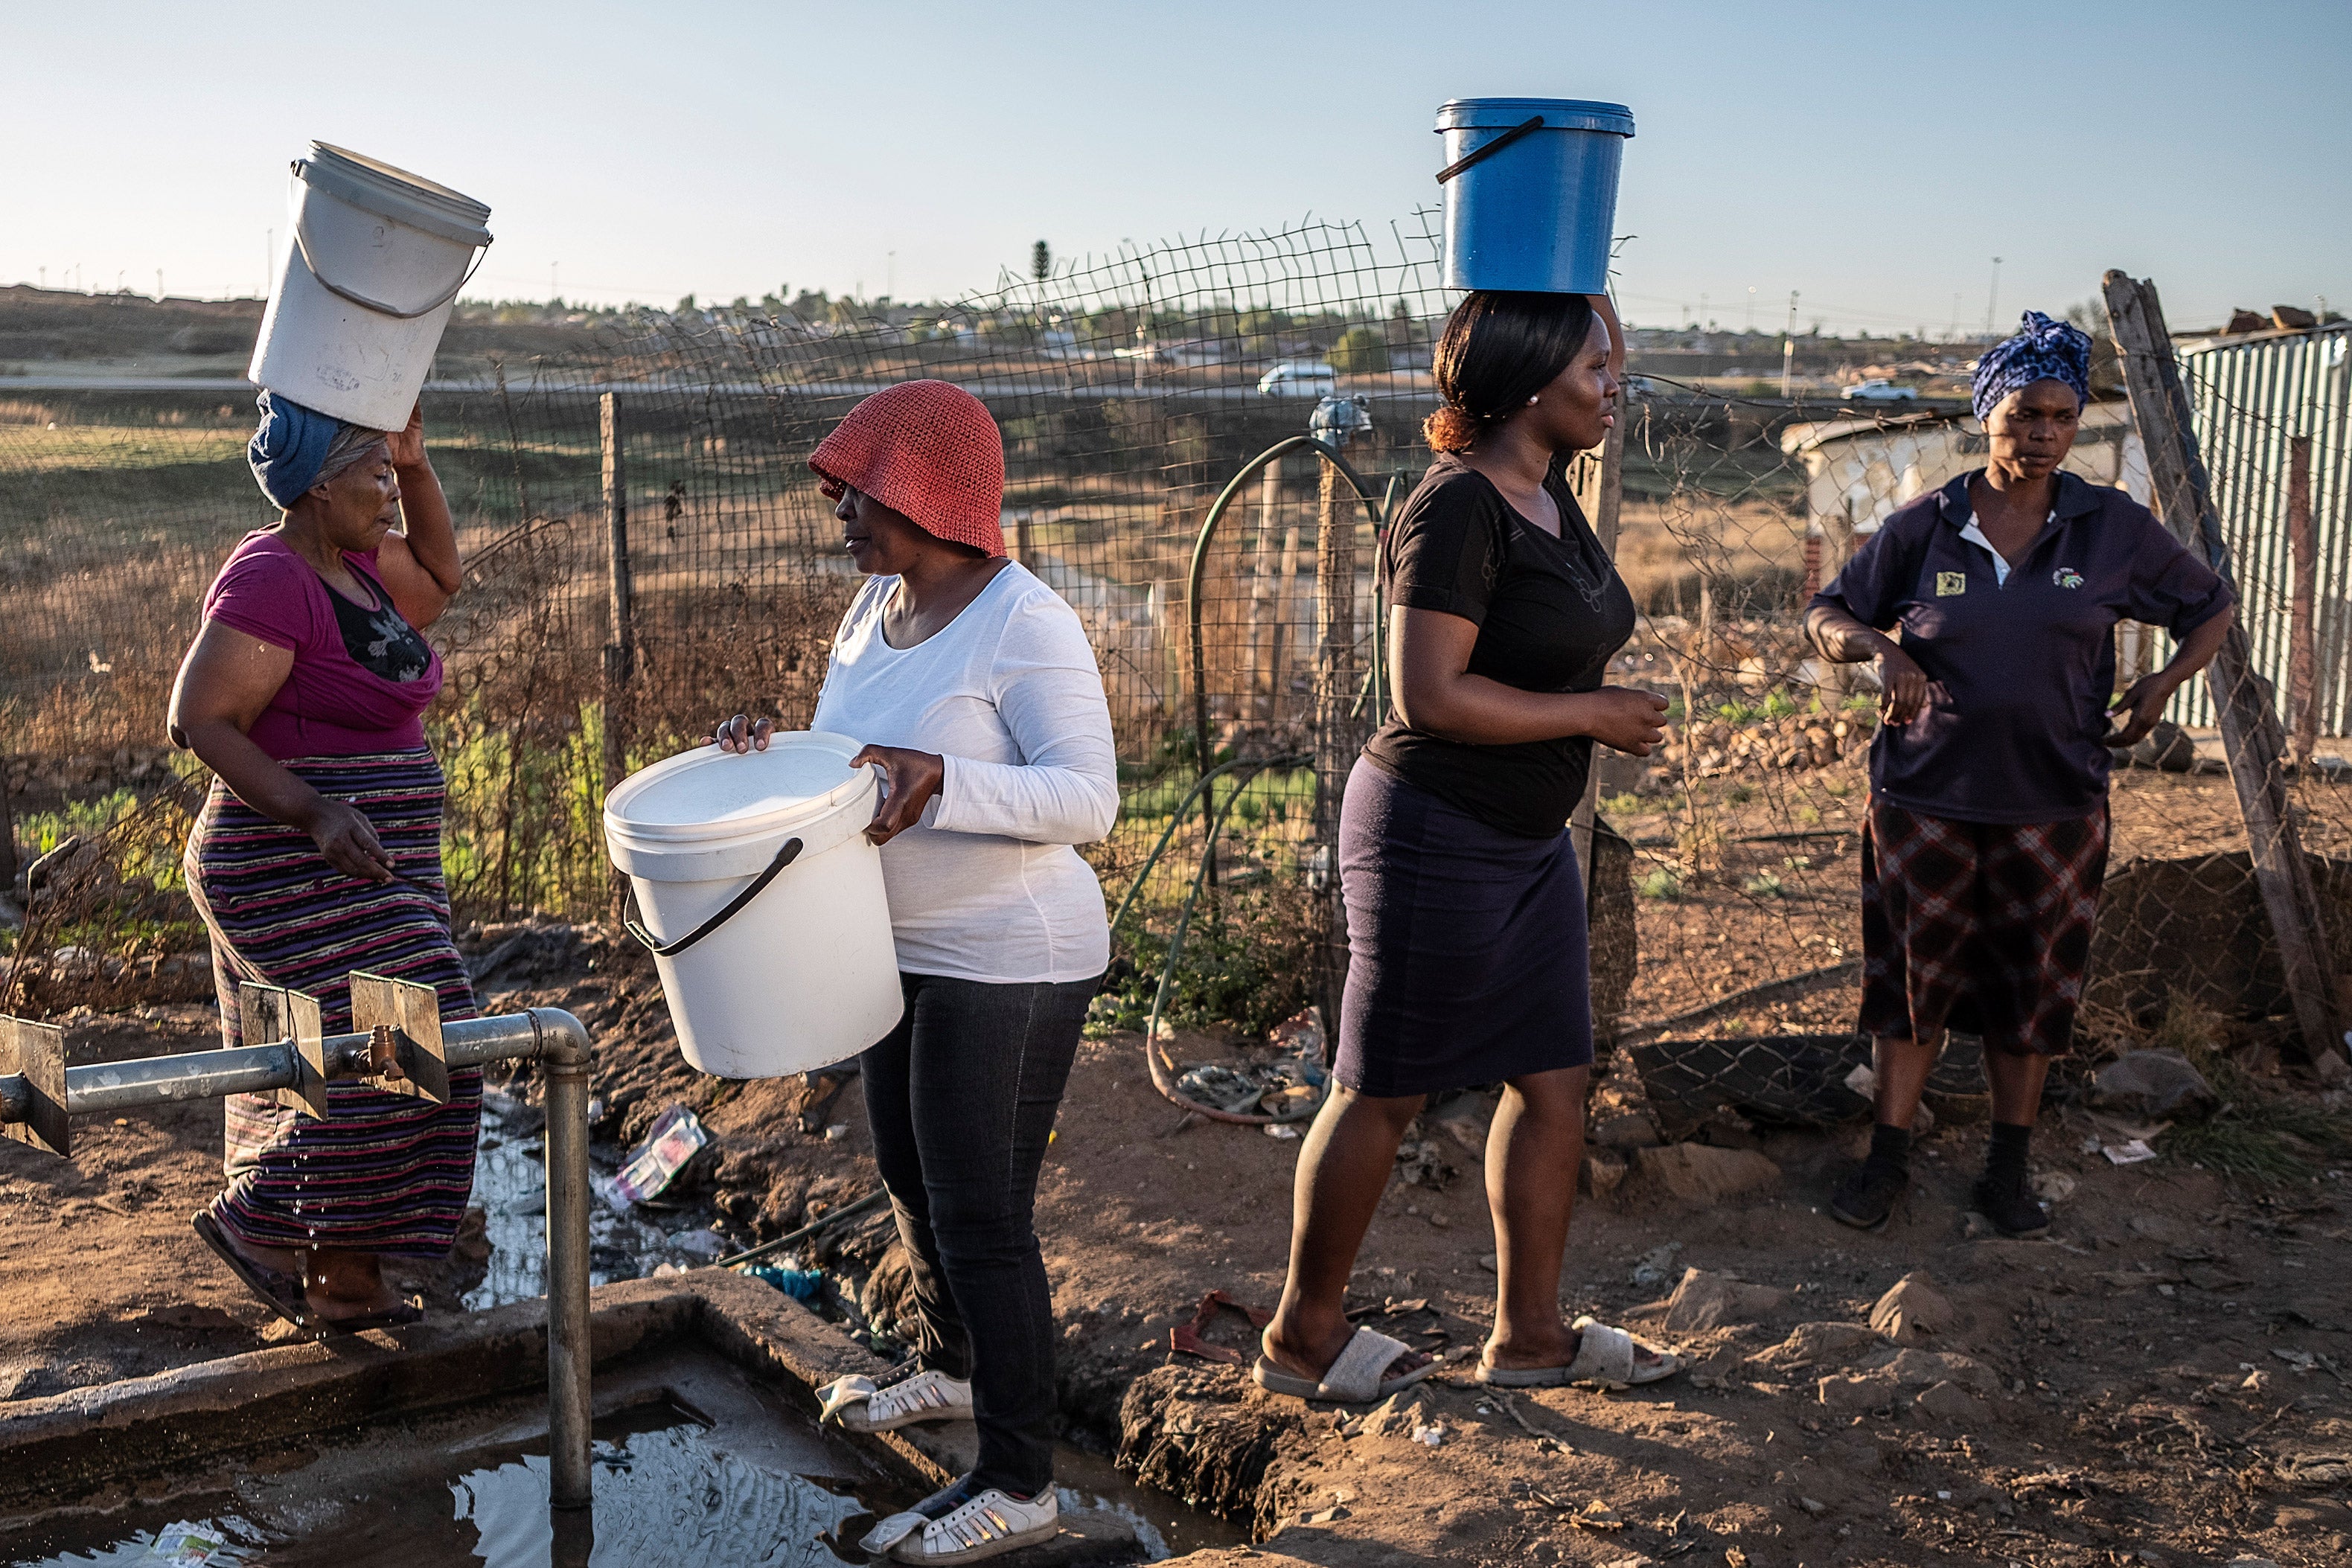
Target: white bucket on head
[[804, 973], [374, 261]]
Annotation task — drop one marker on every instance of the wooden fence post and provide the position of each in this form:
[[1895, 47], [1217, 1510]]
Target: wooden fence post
[[620, 646], [2303, 605], [1339, 733], [2251, 732], [1598, 481]]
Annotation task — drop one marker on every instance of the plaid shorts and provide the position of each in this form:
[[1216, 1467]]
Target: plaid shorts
[[1978, 923]]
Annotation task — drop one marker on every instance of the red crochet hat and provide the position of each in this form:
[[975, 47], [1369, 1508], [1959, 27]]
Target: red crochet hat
[[928, 449]]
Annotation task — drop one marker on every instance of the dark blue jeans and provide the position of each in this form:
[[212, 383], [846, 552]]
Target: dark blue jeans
[[962, 1098]]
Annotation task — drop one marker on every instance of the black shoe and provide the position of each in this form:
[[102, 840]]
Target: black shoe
[[1866, 1197], [2011, 1209]]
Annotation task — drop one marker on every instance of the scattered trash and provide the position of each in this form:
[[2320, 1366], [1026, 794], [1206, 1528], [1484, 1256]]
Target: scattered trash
[[1430, 1436], [800, 1284], [2129, 1152], [1284, 1130], [1597, 1515], [1656, 1266], [1185, 1338], [836, 1131], [653, 1164], [1423, 1163], [1862, 1081], [186, 1545]]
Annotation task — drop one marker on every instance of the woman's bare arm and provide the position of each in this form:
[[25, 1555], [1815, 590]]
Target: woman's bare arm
[[420, 565], [226, 679], [2143, 704], [1430, 652], [1844, 640]]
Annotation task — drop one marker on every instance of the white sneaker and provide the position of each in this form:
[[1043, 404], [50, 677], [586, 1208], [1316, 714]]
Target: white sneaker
[[900, 1397], [960, 1525]]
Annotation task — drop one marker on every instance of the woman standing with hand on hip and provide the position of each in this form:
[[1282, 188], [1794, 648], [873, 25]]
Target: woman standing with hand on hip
[[976, 692], [1986, 842], [1468, 957]]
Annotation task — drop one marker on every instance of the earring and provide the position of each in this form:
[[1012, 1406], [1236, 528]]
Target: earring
[[1533, 401]]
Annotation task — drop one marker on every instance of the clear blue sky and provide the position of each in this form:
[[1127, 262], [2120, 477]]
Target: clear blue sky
[[1872, 156]]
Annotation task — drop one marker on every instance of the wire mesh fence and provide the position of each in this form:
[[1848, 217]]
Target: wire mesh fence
[[1137, 395]]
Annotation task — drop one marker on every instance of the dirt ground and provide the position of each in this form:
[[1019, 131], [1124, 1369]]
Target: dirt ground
[[2161, 1381]]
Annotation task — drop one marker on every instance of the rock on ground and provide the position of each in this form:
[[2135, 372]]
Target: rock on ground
[[2156, 1083], [1700, 1172], [1704, 1301], [1914, 1309]]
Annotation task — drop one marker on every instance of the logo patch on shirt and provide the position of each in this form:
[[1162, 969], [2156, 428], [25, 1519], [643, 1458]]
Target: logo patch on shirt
[[2067, 577], [1949, 584]]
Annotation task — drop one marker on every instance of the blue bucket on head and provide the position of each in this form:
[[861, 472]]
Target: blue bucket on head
[[1530, 191]]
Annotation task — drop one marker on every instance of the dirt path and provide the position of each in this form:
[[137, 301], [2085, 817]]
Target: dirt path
[[2166, 1376]]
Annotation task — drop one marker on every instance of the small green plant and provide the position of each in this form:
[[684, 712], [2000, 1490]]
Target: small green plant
[[1809, 816], [1763, 885], [1662, 883], [1624, 805], [1735, 713], [1740, 795], [1778, 705], [1860, 702]]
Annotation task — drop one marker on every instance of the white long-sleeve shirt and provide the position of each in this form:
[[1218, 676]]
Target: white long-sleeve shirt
[[987, 887]]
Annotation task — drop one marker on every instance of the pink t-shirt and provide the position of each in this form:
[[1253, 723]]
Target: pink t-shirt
[[362, 679]]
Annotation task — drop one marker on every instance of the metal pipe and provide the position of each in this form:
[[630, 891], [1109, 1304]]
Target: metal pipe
[[552, 1038], [564, 1057]]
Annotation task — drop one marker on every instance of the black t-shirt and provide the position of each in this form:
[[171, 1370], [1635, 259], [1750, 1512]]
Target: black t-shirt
[[1550, 613], [381, 641]]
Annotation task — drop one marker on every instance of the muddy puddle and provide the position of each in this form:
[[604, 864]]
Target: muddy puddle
[[695, 1464]]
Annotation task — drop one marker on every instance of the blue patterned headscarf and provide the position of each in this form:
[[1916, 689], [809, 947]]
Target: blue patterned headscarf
[[290, 450], [2043, 350]]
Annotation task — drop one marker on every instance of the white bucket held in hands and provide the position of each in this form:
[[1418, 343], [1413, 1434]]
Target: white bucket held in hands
[[374, 260], [761, 901]]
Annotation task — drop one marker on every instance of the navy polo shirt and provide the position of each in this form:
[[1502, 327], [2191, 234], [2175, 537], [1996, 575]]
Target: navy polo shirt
[[2020, 675]]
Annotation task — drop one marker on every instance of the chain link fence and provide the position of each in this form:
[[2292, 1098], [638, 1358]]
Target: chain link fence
[[663, 455]]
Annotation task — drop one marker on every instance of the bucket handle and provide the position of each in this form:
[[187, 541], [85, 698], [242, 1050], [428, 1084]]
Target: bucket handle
[[1462, 164], [303, 245], [660, 950]]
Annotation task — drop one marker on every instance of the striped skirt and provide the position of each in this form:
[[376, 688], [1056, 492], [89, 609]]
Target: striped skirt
[[381, 1173]]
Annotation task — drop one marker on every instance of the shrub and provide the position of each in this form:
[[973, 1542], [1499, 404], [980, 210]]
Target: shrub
[[1360, 352]]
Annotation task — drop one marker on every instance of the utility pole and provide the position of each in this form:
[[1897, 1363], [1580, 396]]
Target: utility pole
[[159, 285], [1752, 311], [1992, 300], [1788, 351]]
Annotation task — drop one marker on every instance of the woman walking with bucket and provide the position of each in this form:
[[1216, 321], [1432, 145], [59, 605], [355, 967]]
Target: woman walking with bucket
[[1468, 960], [1986, 842], [975, 692], [318, 852]]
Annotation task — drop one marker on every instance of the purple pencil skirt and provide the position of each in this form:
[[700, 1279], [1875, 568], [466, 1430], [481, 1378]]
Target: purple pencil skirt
[[1468, 958]]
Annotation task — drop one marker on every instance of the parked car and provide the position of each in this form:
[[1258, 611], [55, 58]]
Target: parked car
[[1880, 390], [1300, 377]]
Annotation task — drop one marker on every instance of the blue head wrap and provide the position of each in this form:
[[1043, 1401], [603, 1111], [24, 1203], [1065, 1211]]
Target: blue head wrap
[[289, 449], [2043, 350]]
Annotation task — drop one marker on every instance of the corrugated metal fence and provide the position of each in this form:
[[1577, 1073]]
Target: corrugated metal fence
[[2274, 419]]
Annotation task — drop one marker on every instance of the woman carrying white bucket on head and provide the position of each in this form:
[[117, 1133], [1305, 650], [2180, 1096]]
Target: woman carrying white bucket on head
[[974, 689]]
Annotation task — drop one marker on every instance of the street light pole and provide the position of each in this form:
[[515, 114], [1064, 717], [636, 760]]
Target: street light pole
[[1788, 351], [1992, 300]]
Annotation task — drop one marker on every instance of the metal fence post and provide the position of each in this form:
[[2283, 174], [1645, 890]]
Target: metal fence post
[[1339, 736], [569, 1349], [620, 646], [2251, 732]]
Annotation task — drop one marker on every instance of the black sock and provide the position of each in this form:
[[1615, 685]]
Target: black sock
[[1890, 1148], [2005, 1156]]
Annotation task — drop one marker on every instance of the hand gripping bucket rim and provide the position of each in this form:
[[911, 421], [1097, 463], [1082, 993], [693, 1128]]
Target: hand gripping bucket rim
[[1530, 194]]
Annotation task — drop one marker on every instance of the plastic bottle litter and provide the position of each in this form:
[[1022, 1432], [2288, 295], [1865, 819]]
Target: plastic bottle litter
[[655, 1164]]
